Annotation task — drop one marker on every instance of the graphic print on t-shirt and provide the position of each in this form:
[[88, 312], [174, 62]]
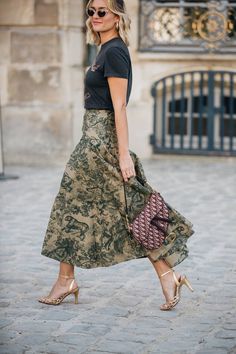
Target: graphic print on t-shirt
[[86, 95], [94, 67]]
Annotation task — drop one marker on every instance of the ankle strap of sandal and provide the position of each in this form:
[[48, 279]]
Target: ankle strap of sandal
[[66, 276], [168, 271]]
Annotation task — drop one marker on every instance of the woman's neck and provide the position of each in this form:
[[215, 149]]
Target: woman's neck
[[105, 37]]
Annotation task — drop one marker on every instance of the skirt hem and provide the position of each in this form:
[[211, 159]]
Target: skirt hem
[[88, 265]]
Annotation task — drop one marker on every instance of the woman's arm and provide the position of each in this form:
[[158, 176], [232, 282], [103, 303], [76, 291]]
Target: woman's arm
[[118, 90]]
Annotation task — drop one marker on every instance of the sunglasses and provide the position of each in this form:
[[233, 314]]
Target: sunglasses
[[101, 13]]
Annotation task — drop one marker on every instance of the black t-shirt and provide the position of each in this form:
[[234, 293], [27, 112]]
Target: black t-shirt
[[113, 60]]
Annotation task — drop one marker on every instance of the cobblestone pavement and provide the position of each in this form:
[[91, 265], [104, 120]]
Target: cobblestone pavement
[[118, 309]]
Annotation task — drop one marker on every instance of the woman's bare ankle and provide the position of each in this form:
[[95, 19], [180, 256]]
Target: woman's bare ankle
[[66, 273], [160, 266]]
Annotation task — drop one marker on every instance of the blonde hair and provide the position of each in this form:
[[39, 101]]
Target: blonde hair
[[118, 8]]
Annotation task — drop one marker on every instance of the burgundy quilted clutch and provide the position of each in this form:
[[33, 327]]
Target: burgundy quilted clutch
[[149, 227]]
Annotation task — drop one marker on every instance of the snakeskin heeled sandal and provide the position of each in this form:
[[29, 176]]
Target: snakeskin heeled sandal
[[179, 282], [57, 301]]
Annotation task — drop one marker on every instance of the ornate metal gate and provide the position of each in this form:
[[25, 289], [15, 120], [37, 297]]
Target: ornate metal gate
[[187, 26], [195, 113]]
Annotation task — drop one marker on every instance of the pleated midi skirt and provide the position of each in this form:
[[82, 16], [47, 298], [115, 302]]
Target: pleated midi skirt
[[87, 226]]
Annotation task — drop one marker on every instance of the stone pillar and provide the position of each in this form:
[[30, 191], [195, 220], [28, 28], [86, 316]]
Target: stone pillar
[[140, 105], [41, 74]]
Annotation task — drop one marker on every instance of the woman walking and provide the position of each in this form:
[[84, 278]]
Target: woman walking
[[87, 227]]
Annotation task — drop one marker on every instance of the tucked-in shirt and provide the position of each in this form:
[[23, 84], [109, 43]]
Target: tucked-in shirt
[[113, 60]]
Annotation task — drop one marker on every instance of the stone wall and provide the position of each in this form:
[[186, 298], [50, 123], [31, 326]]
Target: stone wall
[[41, 74]]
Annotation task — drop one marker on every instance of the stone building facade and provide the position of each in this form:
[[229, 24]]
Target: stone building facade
[[42, 64], [41, 72]]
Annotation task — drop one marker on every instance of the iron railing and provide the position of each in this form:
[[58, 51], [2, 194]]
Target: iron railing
[[195, 113]]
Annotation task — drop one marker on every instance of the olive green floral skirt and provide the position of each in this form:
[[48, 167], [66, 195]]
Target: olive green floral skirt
[[87, 225]]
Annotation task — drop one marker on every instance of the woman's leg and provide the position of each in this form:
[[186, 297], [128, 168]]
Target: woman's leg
[[62, 284], [167, 282], [66, 269]]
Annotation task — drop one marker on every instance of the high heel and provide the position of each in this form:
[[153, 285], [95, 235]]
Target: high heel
[[179, 283], [186, 282], [57, 301], [76, 293]]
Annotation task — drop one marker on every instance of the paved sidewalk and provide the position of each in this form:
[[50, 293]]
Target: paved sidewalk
[[118, 309]]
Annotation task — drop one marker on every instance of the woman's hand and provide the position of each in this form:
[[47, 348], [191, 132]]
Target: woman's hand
[[126, 166]]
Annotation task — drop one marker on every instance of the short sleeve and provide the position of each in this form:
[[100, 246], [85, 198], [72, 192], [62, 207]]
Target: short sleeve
[[116, 63]]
